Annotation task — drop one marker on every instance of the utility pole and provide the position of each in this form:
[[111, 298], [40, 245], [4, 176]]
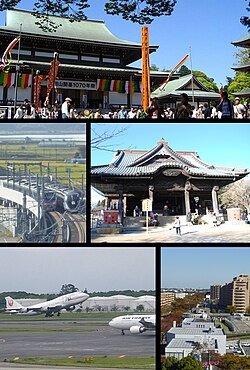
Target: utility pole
[[192, 80], [24, 234]]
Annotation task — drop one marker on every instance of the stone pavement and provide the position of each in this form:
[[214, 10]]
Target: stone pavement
[[225, 233]]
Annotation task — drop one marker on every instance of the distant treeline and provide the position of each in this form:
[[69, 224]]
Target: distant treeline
[[48, 296]]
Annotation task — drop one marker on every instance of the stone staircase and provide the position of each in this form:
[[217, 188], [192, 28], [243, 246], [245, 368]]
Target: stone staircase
[[138, 222]]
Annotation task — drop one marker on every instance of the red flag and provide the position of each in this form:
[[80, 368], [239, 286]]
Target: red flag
[[221, 91]]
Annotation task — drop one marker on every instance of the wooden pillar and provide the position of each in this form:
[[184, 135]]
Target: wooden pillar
[[130, 91], [151, 194], [120, 207], [124, 206], [215, 200], [187, 197], [106, 205]]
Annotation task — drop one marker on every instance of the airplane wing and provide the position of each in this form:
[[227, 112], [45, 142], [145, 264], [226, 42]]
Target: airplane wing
[[49, 309]]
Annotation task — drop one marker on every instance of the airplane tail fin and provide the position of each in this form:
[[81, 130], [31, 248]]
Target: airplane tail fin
[[11, 304]]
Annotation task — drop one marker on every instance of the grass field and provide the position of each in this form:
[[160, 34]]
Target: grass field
[[95, 316], [62, 169], [102, 362]]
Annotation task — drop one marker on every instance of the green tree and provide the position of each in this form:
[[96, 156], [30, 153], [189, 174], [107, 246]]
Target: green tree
[[67, 288], [206, 81], [248, 311], [184, 71], [231, 309], [245, 20], [154, 67], [189, 363], [137, 11], [242, 57], [231, 362], [140, 308], [126, 308], [170, 363], [240, 82]]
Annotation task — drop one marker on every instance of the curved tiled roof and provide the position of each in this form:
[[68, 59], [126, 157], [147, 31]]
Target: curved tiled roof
[[145, 163], [86, 30], [178, 87]]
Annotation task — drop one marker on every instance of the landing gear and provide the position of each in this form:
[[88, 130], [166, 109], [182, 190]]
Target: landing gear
[[122, 333]]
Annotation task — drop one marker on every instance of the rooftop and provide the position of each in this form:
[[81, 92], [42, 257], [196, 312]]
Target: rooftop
[[86, 30], [184, 85], [162, 157]]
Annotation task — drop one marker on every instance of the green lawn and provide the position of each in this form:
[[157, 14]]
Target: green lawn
[[86, 361], [94, 316]]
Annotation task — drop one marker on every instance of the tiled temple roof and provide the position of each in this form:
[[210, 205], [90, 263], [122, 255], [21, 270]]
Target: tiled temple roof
[[146, 163]]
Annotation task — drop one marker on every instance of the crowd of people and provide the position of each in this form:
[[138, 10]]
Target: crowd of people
[[226, 109]]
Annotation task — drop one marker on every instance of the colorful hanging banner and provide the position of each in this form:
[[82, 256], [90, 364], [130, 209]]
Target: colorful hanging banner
[[6, 58], [120, 86], [37, 87], [53, 73], [162, 86], [8, 79]]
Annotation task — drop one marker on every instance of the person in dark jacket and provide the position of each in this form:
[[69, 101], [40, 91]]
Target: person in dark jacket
[[226, 107]]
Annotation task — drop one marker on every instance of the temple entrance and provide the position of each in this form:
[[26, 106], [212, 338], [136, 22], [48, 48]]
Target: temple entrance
[[163, 205]]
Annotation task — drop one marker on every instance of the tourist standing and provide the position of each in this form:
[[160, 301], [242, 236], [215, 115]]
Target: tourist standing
[[153, 110], [19, 112], [214, 113], [66, 108], [177, 225], [226, 107], [199, 114], [207, 111], [183, 109], [131, 113], [140, 114], [239, 109], [122, 114]]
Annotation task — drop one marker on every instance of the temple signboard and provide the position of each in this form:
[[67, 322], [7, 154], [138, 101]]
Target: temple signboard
[[76, 85]]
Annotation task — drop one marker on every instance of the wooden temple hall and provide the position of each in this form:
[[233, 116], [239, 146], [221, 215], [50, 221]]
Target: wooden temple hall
[[178, 182], [93, 65]]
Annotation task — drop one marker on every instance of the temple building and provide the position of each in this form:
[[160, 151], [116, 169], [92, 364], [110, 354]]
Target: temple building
[[94, 69], [177, 182], [245, 68], [190, 85]]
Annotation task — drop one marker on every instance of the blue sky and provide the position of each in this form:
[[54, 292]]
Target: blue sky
[[45, 270], [208, 27], [217, 144], [201, 267]]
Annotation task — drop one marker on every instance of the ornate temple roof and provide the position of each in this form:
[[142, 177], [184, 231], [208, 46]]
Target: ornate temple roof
[[243, 42], [182, 85], [86, 30], [135, 163]]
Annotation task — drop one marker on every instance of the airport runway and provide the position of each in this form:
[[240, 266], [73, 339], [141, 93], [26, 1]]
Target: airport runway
[[100, 340], [4, 366]]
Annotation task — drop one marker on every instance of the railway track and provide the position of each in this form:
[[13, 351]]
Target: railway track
[[75, 227]]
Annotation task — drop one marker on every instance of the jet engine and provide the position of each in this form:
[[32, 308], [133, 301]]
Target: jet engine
[[137, 329], [24, 310], [71, 308]]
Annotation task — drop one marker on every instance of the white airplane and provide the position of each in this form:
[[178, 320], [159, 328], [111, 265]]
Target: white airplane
[[136, 324], [67, 302]]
